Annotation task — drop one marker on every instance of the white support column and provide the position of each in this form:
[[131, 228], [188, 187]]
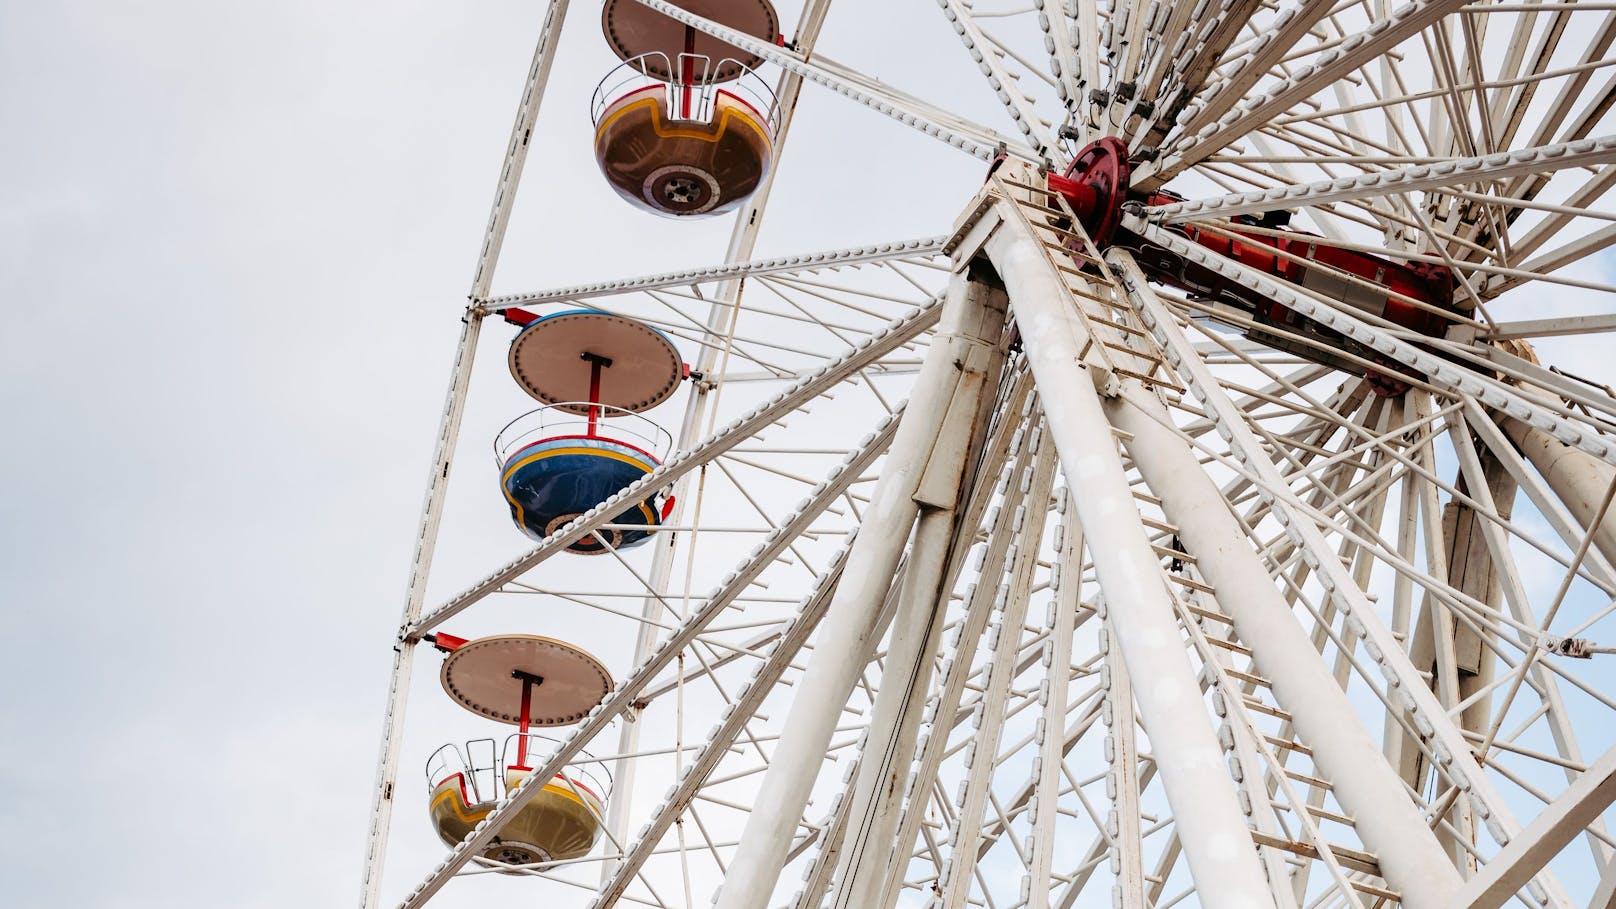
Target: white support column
[[943, 537], [883, 770], [1222, 856], [924, 466], [1579, 479], [945, 706], [1386, 819]]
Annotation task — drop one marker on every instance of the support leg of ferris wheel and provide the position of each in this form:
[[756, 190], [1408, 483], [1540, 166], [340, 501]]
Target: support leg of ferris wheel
[[443, 457], [924, 466], [1210, 823], [875, 811], [895, 718], [1411, 859], [743, 240], [978, 606], [1067, 585]]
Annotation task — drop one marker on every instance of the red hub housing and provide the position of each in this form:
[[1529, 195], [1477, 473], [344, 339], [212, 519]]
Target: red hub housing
[[1096, 187]]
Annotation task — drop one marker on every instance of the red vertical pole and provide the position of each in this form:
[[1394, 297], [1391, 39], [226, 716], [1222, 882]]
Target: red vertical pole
[[687, 63], [594, 395], [522, 726]]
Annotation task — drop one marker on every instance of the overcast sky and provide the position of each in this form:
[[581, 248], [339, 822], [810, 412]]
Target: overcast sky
[[235, 241]]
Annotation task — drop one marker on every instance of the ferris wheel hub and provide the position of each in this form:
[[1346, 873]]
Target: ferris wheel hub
[[1096, 186]]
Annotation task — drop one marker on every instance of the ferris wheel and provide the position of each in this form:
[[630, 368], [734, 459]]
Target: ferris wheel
[[1217, 512]]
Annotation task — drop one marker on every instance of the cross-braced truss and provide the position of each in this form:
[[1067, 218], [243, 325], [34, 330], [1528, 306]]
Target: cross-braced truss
[[1001, 574]]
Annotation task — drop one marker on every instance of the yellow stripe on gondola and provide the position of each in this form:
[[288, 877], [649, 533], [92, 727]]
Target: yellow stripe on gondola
[[667, 132], [472, 816], [449, 795], [521, 514], [556, 452]]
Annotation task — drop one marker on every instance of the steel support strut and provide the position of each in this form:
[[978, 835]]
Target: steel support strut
[[510, 176], [924, 466], [398, 692], [1221, 853], [1559, 823], [1411, 859], [883, 770]]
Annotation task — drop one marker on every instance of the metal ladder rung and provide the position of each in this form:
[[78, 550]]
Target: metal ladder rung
[[1085, 295], [1313, 781], [1073, 271], [1028, 203], [1151, 379], [1169, 529], [1204, 588], [1355, 859], [1372, 890], [1326, 815], [1212, 614], [1248, 677], [1289, 745], [1118, 325], [1064, 233], [1260, 707], [1230, 646], [1063, 248], [1131, 351]]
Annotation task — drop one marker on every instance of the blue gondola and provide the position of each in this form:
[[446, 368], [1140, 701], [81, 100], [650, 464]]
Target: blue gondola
[[552, 481], [595, 372]]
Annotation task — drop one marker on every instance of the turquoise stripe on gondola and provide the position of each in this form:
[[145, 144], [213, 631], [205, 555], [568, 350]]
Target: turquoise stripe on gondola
[[585, 312]]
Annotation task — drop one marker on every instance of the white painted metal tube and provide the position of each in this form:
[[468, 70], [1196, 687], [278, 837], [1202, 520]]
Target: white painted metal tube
[[889, 745], [1411, 859], [1579, 479], [1222, 857], [1540, 841], [949, 383]]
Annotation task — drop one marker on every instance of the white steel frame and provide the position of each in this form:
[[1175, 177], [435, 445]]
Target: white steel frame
[[1325, 670]]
